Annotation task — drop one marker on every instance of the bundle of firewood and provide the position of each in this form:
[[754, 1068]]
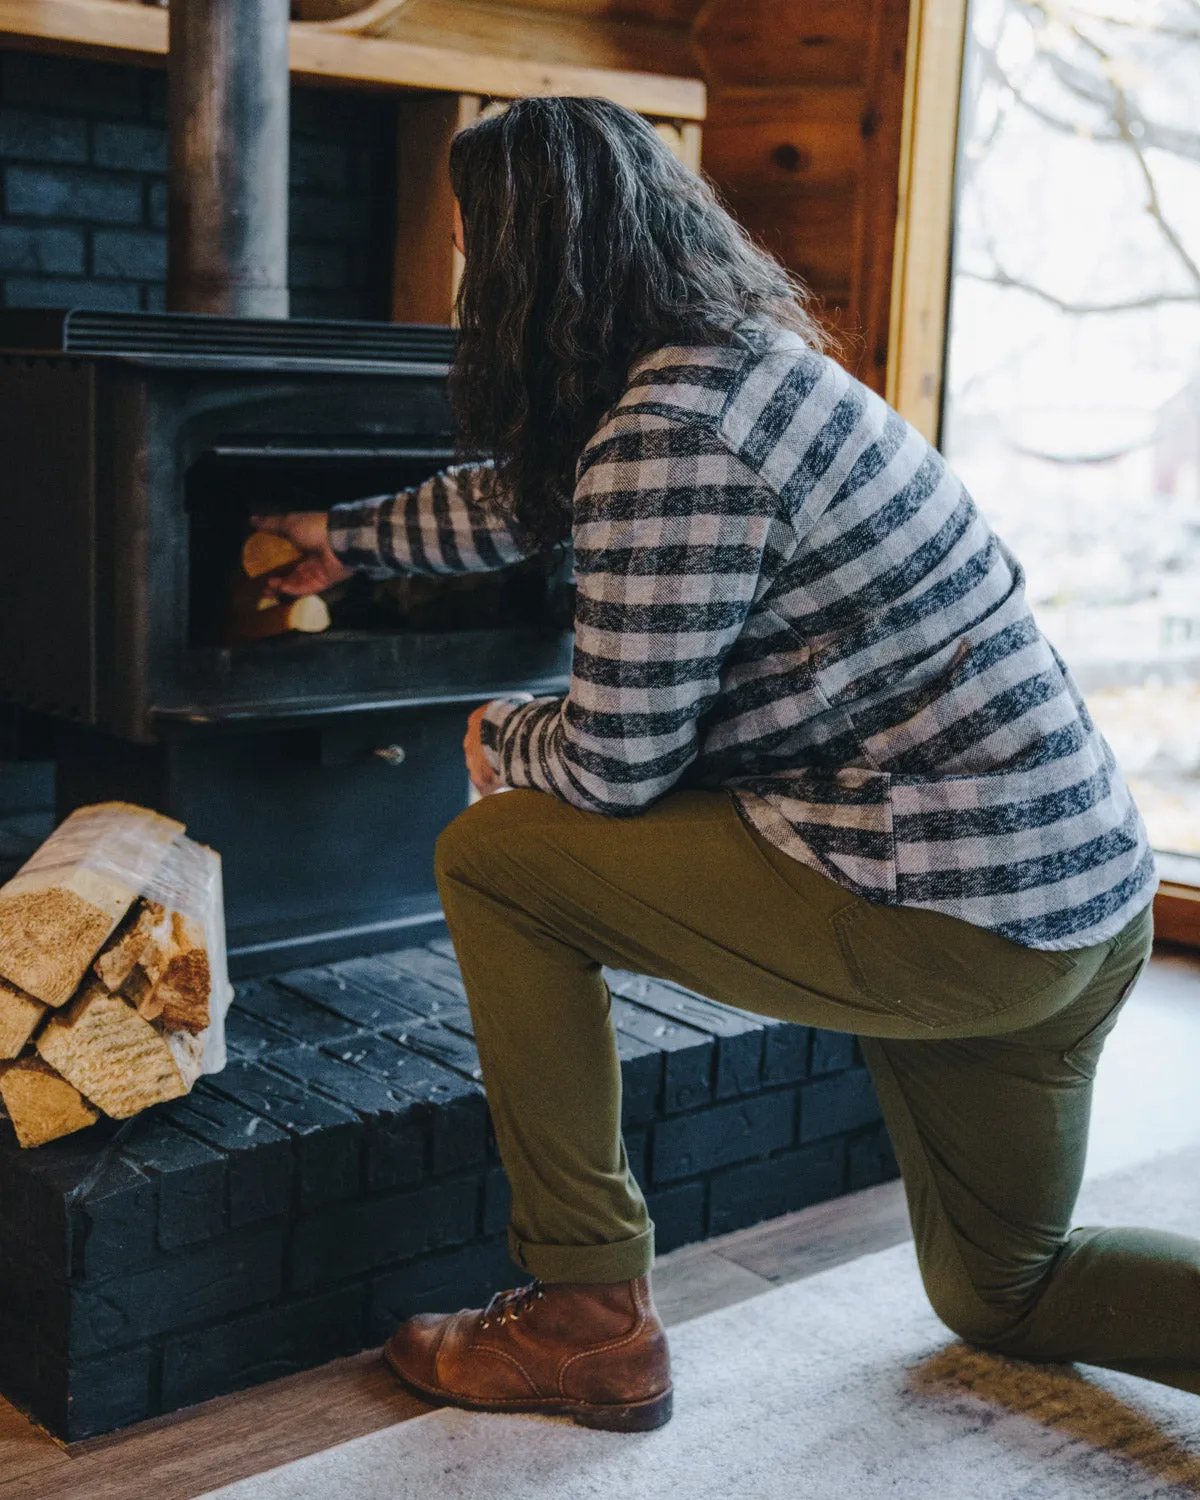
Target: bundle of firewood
[[112, 971]]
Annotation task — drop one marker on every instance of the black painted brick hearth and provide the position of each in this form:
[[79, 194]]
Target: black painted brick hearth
[[83, 157], [340, 1174]]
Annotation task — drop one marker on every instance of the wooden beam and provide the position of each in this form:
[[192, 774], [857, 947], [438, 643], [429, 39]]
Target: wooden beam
[[921, 268], [879, 125], [427, 265], [113, 28], [1177, 913], [102, 27]]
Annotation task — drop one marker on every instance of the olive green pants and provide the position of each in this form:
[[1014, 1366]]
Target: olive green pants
[[983, 1054]]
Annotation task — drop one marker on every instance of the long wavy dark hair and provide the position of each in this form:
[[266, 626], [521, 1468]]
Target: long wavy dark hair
[[588, 244]]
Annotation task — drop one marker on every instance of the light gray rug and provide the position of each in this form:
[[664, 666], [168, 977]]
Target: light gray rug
[[843, 1385]]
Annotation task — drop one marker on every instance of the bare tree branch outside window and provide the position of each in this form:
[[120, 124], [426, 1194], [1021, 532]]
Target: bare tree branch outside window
[[1073, 379]]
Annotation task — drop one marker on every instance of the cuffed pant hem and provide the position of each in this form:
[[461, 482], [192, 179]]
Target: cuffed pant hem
[[622, 1261]]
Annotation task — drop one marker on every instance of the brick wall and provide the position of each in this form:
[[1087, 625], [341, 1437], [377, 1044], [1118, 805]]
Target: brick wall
[[340, 1175], [83, 150]]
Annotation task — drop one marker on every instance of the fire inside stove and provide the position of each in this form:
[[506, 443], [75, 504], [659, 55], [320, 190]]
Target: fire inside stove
[[230, 482]]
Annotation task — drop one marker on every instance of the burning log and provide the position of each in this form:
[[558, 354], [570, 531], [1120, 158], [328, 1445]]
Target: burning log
[[41, 1103]]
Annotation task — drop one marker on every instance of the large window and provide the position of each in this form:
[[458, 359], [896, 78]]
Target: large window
[[1073, 377]]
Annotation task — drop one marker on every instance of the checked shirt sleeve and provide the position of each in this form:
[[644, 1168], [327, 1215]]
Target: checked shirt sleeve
[[670, 531], [451, 523]]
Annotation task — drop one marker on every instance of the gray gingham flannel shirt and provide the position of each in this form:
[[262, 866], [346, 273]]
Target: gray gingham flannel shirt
[[782, 589]]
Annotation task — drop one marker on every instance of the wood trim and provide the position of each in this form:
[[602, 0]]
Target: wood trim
[[881, 111], [690, 145], [427, 264], [1177, 913], [924, 219], [96, 26], [114, 28], [682, 139]]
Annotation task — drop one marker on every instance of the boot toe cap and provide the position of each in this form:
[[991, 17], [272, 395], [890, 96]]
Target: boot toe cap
[[412, 1350]]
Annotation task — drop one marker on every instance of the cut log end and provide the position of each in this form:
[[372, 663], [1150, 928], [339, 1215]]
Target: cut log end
[[19, 1017], [130, 945], [47, 940], [58, 909], [41, 1104], [113, 1056]]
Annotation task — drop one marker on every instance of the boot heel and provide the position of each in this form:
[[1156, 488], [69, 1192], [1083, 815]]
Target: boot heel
[[644, 1416]]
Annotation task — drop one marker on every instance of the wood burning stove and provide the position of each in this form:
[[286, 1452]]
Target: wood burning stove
[[138, 445]]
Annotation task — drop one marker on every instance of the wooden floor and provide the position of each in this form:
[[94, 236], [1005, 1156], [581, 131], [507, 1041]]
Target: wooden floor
[[1146, 1103]]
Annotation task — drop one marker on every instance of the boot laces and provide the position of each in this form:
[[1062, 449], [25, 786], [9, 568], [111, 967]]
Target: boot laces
[[507, 1307]]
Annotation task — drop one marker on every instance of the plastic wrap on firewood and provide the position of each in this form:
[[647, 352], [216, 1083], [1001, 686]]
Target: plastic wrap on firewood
[[189, 989], [182, 994]]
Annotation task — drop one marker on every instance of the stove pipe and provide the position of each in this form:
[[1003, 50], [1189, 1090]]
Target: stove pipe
[[227, 182]]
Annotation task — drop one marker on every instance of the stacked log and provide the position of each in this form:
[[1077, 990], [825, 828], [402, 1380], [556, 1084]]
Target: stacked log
[[106, 984]]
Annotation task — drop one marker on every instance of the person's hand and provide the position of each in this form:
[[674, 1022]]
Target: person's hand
[[318, 569], [483, 778]]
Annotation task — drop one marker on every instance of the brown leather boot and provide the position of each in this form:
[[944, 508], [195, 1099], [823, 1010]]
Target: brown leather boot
[[594, 1352]]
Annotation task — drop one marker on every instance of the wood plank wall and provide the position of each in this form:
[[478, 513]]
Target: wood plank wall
[[802, 140]]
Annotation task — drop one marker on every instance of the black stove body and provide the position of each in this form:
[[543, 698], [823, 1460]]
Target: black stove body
[[136, 448]]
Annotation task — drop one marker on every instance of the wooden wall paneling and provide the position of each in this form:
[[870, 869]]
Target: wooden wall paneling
[[921, 264], [780, 43], [763, 141], [812, 233], [427, 266], [879, 128], [801, 140]]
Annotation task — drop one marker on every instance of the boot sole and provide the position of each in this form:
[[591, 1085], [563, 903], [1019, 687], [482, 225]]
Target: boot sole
[[633, 1416]]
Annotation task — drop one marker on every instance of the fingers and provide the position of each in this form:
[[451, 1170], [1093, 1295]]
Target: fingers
[[483, 778], [309, 576]]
